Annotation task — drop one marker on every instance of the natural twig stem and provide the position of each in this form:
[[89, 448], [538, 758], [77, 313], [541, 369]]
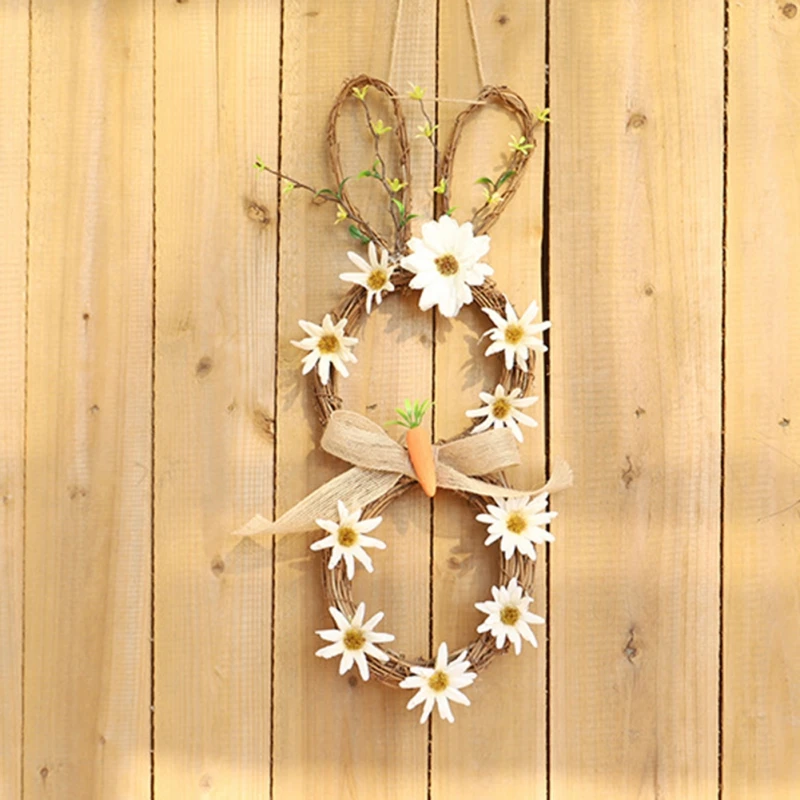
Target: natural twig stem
[[483, 212], [331, 198], [297, 184], [376, 140], [432, 137]]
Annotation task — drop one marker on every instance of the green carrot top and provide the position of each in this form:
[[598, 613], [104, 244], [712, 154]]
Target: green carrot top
[[411, 415]]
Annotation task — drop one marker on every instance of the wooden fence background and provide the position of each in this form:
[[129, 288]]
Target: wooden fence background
[[150, 282]]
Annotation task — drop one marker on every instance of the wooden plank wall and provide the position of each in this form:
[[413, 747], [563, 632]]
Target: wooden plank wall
[[151, 281]]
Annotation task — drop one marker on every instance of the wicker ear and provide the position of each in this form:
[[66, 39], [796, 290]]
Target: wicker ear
[[504, 97], [346, 94]]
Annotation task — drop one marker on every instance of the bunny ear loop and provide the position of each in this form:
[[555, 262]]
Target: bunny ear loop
[[509, 100], [354, 90]]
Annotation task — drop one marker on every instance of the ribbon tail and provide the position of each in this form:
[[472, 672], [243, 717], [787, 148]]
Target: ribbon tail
[[356, 487], [560, 477], [449, 478]]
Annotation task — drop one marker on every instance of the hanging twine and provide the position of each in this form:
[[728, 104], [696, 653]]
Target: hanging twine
[[473, 30]]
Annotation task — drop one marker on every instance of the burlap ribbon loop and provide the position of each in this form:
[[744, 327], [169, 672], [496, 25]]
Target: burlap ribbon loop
[[380, 462]]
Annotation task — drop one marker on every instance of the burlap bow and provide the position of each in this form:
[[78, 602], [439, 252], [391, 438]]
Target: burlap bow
[[380, 462]]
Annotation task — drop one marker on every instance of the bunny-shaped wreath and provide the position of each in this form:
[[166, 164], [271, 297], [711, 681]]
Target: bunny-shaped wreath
[[445, 264]]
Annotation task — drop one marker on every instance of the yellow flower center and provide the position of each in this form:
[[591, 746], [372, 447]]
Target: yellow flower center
[[510, 615], [439, 681], [328, 344], [446, 264], [347, 537], [516, 522], [353, 639], [376, 280], [514, 333], [501, 408]]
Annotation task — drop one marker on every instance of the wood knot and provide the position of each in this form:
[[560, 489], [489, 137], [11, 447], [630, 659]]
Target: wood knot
[[503, 19], [785, 422], [264, 423], [636, 121], [258, 213], [44, 772], [631, 651], [630, 473], [640, 412], [789, 10], [204, 366], [217, 566]]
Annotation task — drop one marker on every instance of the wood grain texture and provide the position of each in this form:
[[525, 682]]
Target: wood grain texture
[[761, 666], [507, 713], [87, 549], [216, 110], [358, 736], [13, 249], [636, 189]]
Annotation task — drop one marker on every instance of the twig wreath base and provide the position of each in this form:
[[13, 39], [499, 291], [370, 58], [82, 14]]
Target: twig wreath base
[[382, 470], [338, 588]]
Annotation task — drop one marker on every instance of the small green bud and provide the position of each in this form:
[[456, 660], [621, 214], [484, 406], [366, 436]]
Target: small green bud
[[521, 145]]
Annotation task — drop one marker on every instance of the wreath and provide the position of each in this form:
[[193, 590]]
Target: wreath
[[445, 264]]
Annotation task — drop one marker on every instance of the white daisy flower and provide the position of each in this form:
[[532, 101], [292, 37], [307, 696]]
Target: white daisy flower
[[517, 522], [354, 640], [446, 261], [375, 276], [347, 539], [515, 335], [508, 616], [328, 345], [440, 684], [502, 410]]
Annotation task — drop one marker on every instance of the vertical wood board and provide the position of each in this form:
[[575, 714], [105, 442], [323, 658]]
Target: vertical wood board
[[87, 548], [216, 109], [358, 736], [508, 700], [13, 251], [761, 672], [635, 276]]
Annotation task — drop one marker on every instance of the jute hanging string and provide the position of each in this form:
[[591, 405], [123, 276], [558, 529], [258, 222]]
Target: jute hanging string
[[446, 265]]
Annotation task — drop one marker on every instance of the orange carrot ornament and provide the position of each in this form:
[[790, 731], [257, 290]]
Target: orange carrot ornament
[[418, 442]]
